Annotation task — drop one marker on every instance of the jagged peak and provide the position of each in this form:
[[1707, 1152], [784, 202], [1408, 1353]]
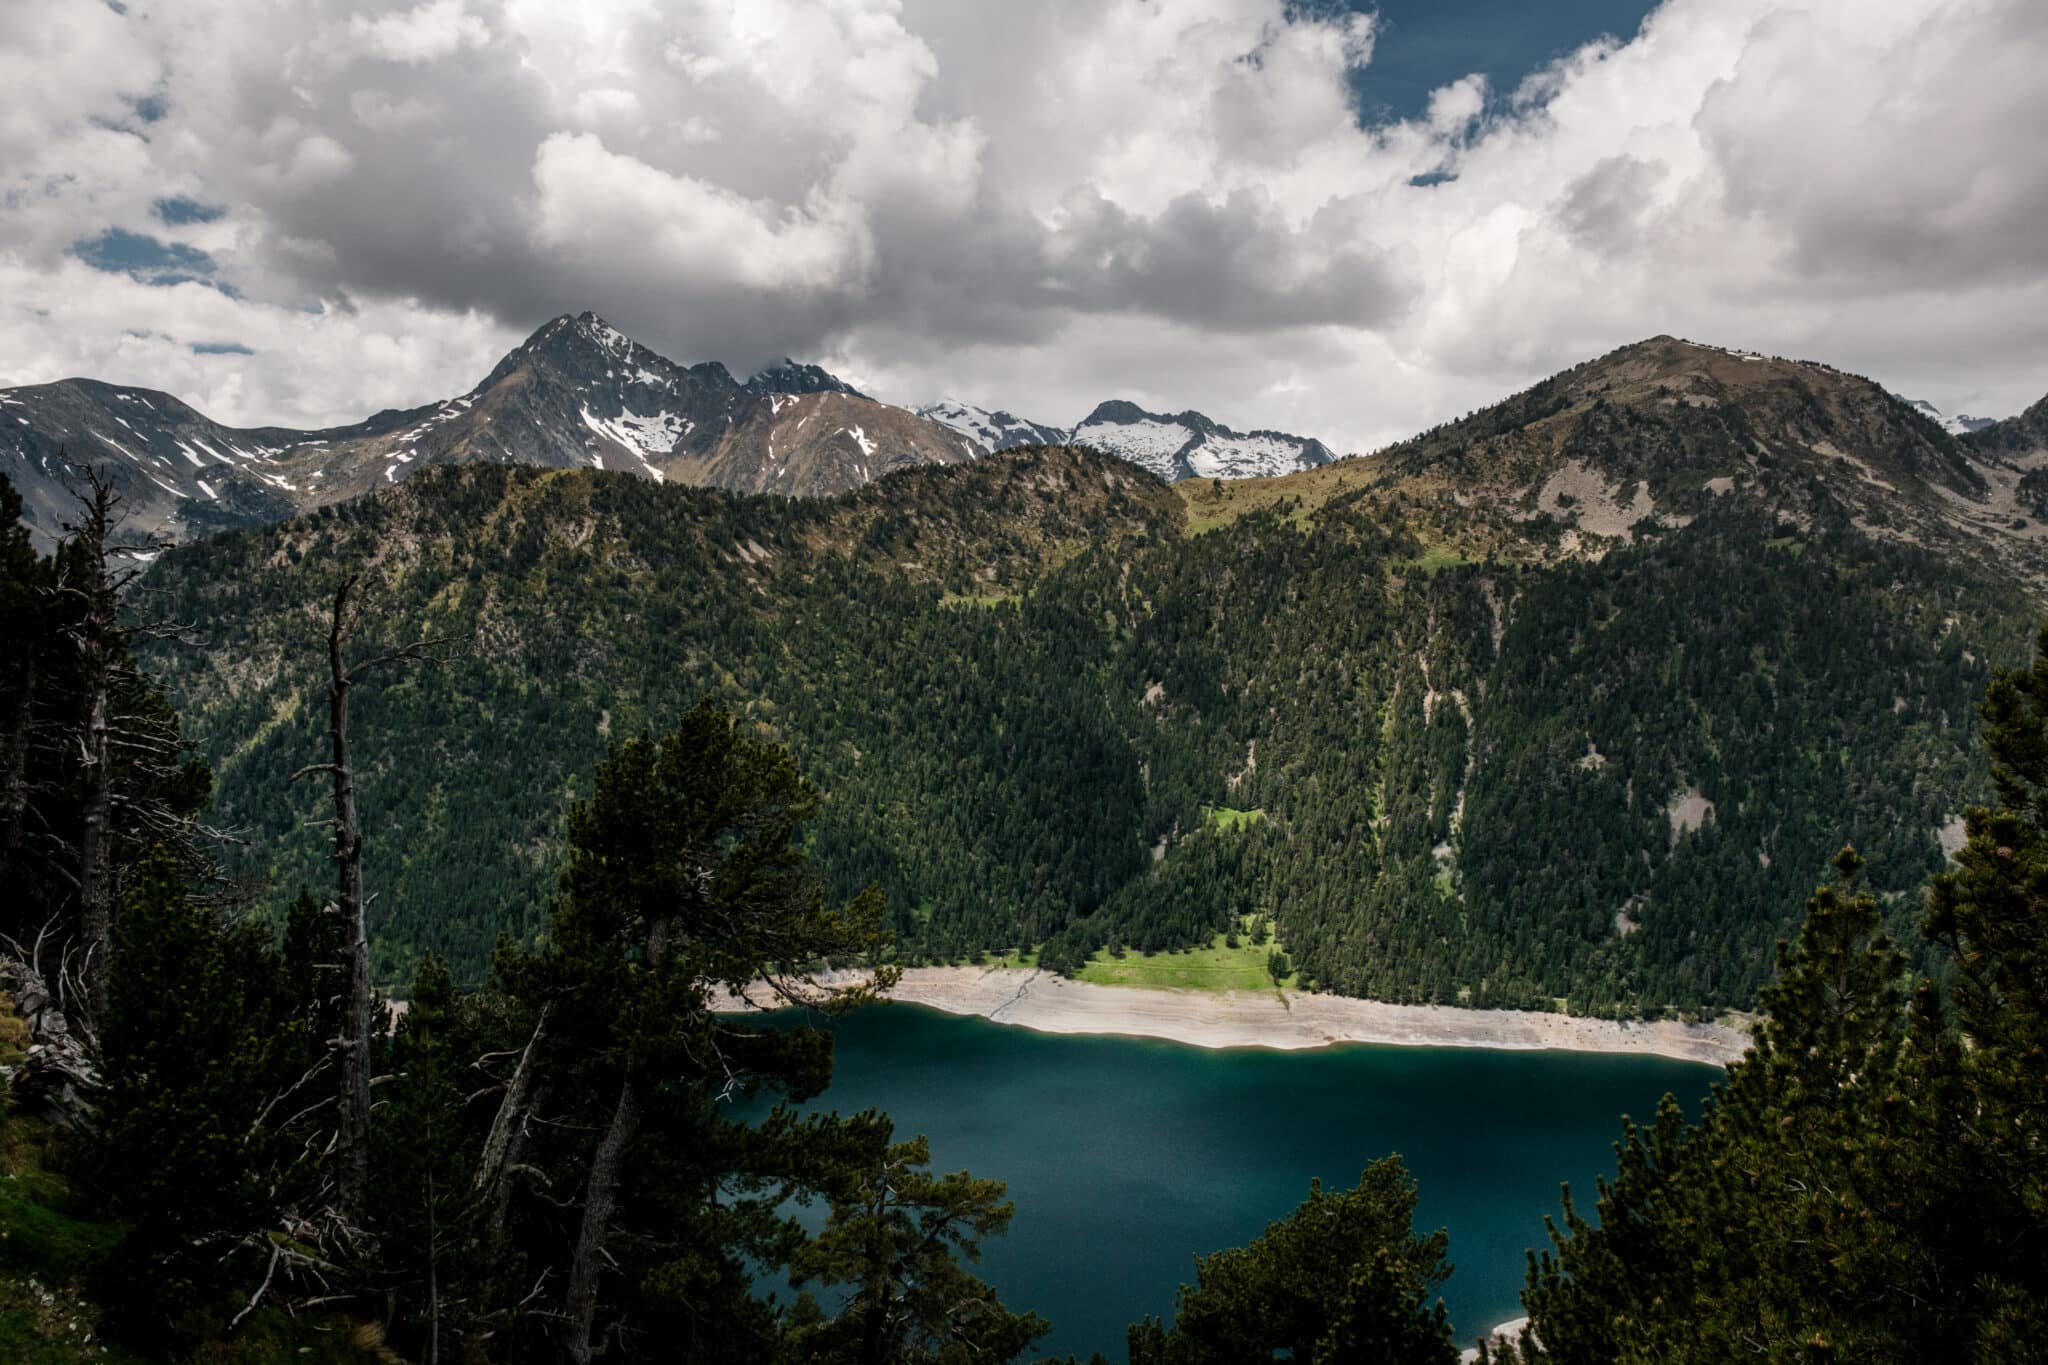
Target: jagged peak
[[794, 376], [1121, 410]]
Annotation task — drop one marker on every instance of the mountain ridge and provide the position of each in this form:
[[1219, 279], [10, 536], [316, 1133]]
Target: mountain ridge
[[576, 391], [1175, 446], [1645, 438]]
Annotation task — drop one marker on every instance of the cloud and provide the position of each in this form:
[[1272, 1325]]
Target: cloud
[[1034, 206], [596, 206], [424, 33]]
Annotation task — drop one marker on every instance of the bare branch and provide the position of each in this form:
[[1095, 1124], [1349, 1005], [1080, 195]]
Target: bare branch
[[276, 1253]]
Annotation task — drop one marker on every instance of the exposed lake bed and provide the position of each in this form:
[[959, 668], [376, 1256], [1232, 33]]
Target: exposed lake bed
[[1286, 1020]]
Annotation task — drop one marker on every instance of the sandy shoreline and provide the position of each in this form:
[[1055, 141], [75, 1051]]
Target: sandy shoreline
[[1050, 1003]]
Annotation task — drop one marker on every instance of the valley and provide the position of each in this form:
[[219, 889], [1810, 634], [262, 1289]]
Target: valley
[[875, 682], [1562, 706], [1442, 803]]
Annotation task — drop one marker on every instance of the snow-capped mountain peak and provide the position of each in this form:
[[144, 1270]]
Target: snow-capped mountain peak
[[793, 376]]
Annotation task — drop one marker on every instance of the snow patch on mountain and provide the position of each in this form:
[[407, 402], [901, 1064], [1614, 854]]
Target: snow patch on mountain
[[1189, 445], [1955, 424], [991, 431], [646, 437], [1147, 442], [1246, 457]]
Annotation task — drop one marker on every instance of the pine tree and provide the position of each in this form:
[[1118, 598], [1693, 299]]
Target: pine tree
[[687, 874], [897, 1237], [199, 1041], [1343, 1280], [423, 1208], [1991, 913]]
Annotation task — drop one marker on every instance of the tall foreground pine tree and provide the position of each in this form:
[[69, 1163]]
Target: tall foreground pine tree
[[95, 773], [1991, 911], [197, 1151], [1871, 1183]]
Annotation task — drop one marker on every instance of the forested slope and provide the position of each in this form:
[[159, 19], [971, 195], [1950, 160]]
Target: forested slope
[[1023, 686]]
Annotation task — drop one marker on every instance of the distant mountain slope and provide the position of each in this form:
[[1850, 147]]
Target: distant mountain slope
[[1497, 754], [577, 392], [1188, 445], [1642, 441], [2022, 435], [2020, 443], [172, 465]]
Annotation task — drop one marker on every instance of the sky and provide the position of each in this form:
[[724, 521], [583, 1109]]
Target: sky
[[1346, 222]]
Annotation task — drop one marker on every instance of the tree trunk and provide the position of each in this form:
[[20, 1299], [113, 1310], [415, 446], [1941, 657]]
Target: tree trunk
[[507, 1139], [515, 1159], [95, 844], [352, 1145], [433, 1275], [14, 793], [95, 852], [600, 1200]]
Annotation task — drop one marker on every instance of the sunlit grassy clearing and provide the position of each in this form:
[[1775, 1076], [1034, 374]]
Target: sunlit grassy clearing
[[1228, 818], [1214, 968]]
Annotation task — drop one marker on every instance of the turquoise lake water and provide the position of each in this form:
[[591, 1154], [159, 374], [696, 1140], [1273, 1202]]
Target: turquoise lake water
[[1127, 1157]]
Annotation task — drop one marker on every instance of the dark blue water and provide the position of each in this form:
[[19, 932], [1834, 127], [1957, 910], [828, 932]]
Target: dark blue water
[[1128, 1157]]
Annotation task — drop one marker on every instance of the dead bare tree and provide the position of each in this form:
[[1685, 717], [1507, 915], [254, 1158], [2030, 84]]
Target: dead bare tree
[[14, 784], [504, 1148], [132, 753], [90, 579], [352, 1136], [96, 638]]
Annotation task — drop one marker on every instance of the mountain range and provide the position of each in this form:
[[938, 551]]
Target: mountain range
[[1575, 697], [576, 393]]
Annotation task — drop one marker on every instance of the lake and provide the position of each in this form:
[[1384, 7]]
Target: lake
[[1127, 1157]]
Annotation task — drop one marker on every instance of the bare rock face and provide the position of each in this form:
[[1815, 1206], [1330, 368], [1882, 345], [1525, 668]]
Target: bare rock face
[[52, 1075]]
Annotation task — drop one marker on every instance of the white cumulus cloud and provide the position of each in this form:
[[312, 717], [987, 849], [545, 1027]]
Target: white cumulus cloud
[[1034, 206]]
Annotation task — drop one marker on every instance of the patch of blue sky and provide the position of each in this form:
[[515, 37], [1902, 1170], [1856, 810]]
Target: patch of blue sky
[[179, 210], [118, 249], [149, 260], [1421, 45]]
